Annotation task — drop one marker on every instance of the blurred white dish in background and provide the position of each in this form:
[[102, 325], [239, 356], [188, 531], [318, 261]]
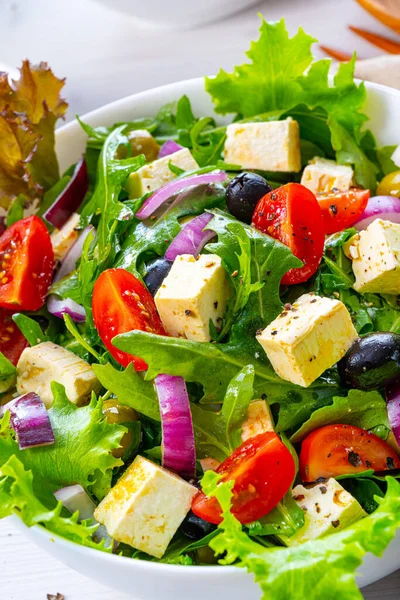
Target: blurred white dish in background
[[13, 73], [178, 13]]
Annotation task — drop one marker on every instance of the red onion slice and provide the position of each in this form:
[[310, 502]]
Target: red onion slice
[[30, 421], [74, 498], [169, 147], [393, 408], [192, 238], [179, 452], [59, 307], [174, 187], [379, 207], [70, 198]]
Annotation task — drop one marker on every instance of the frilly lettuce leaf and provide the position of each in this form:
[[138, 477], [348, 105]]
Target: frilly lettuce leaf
[[282, 80], [323, 568], [82, 452], [18, 496], [29, 109]]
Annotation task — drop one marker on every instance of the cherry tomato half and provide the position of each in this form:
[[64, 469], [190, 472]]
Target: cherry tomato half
[[344, 449], [263, 471], [26, 265], [291, 214], [121, 303], [12, 342], [342, 210]]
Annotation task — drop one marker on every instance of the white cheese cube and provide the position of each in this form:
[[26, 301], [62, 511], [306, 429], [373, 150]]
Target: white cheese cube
[[63, 239], [309, 337], [194, 292], [375, 253], [327, 508], [150, 177], [259, 420], [268, 146], [40, 365], [322, 176], [146, 507]]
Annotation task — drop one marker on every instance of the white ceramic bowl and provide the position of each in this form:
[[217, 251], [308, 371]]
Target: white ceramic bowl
[[152, 581], [178, 13]]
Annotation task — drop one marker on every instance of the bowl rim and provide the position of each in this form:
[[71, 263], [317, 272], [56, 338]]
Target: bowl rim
[[68, 128]]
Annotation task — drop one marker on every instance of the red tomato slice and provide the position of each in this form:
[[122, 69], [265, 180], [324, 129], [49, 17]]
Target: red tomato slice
[[263, 471], [26, 265], [291, 214], [12, 342], [342, 210], [344, 449], [121, 303]]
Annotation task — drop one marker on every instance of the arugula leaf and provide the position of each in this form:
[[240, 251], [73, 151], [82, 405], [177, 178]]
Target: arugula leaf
[[364, 491], [255, 264], [219, 434], [364, 409], [386, 163], [276, 84], [215, 365], [82, 452], [145, 242], [323, 568], [130, 388], [30, 329], [16, 210], [18, 496], [111, 175]]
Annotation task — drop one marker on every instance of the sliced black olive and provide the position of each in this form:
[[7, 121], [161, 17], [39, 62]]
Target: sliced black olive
[[195, 528], [156, 273], [243, 193], [372, 362]]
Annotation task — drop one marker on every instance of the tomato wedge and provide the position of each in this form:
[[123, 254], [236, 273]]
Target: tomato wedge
[[263, 471], [121, 303], [342, 210], [26, 265], [344, 449], [12, 342], [291, 214]]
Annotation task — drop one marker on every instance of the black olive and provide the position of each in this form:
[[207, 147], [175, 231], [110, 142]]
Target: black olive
[[372, 362], [243, 193], [196, 528], [156, 273]]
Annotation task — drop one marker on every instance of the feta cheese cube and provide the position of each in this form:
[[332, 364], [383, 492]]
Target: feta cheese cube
[[322, 176], [150, 177], [194, 292], [146, 507], [268, 146], [327, 508], [40, 365], [308, 338], [63, 239], [375, 253], [259, 420]]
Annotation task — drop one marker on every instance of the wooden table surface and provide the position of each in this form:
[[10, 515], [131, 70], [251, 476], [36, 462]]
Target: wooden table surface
[[105, 56]]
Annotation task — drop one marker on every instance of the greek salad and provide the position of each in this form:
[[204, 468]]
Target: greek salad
[[200, 325]]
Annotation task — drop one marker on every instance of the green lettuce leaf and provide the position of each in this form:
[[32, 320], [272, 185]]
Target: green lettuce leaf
[[82, 452], [364, 409], [281, 80], [285, 519], [218, 434], [323, 568], [18, 496]]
